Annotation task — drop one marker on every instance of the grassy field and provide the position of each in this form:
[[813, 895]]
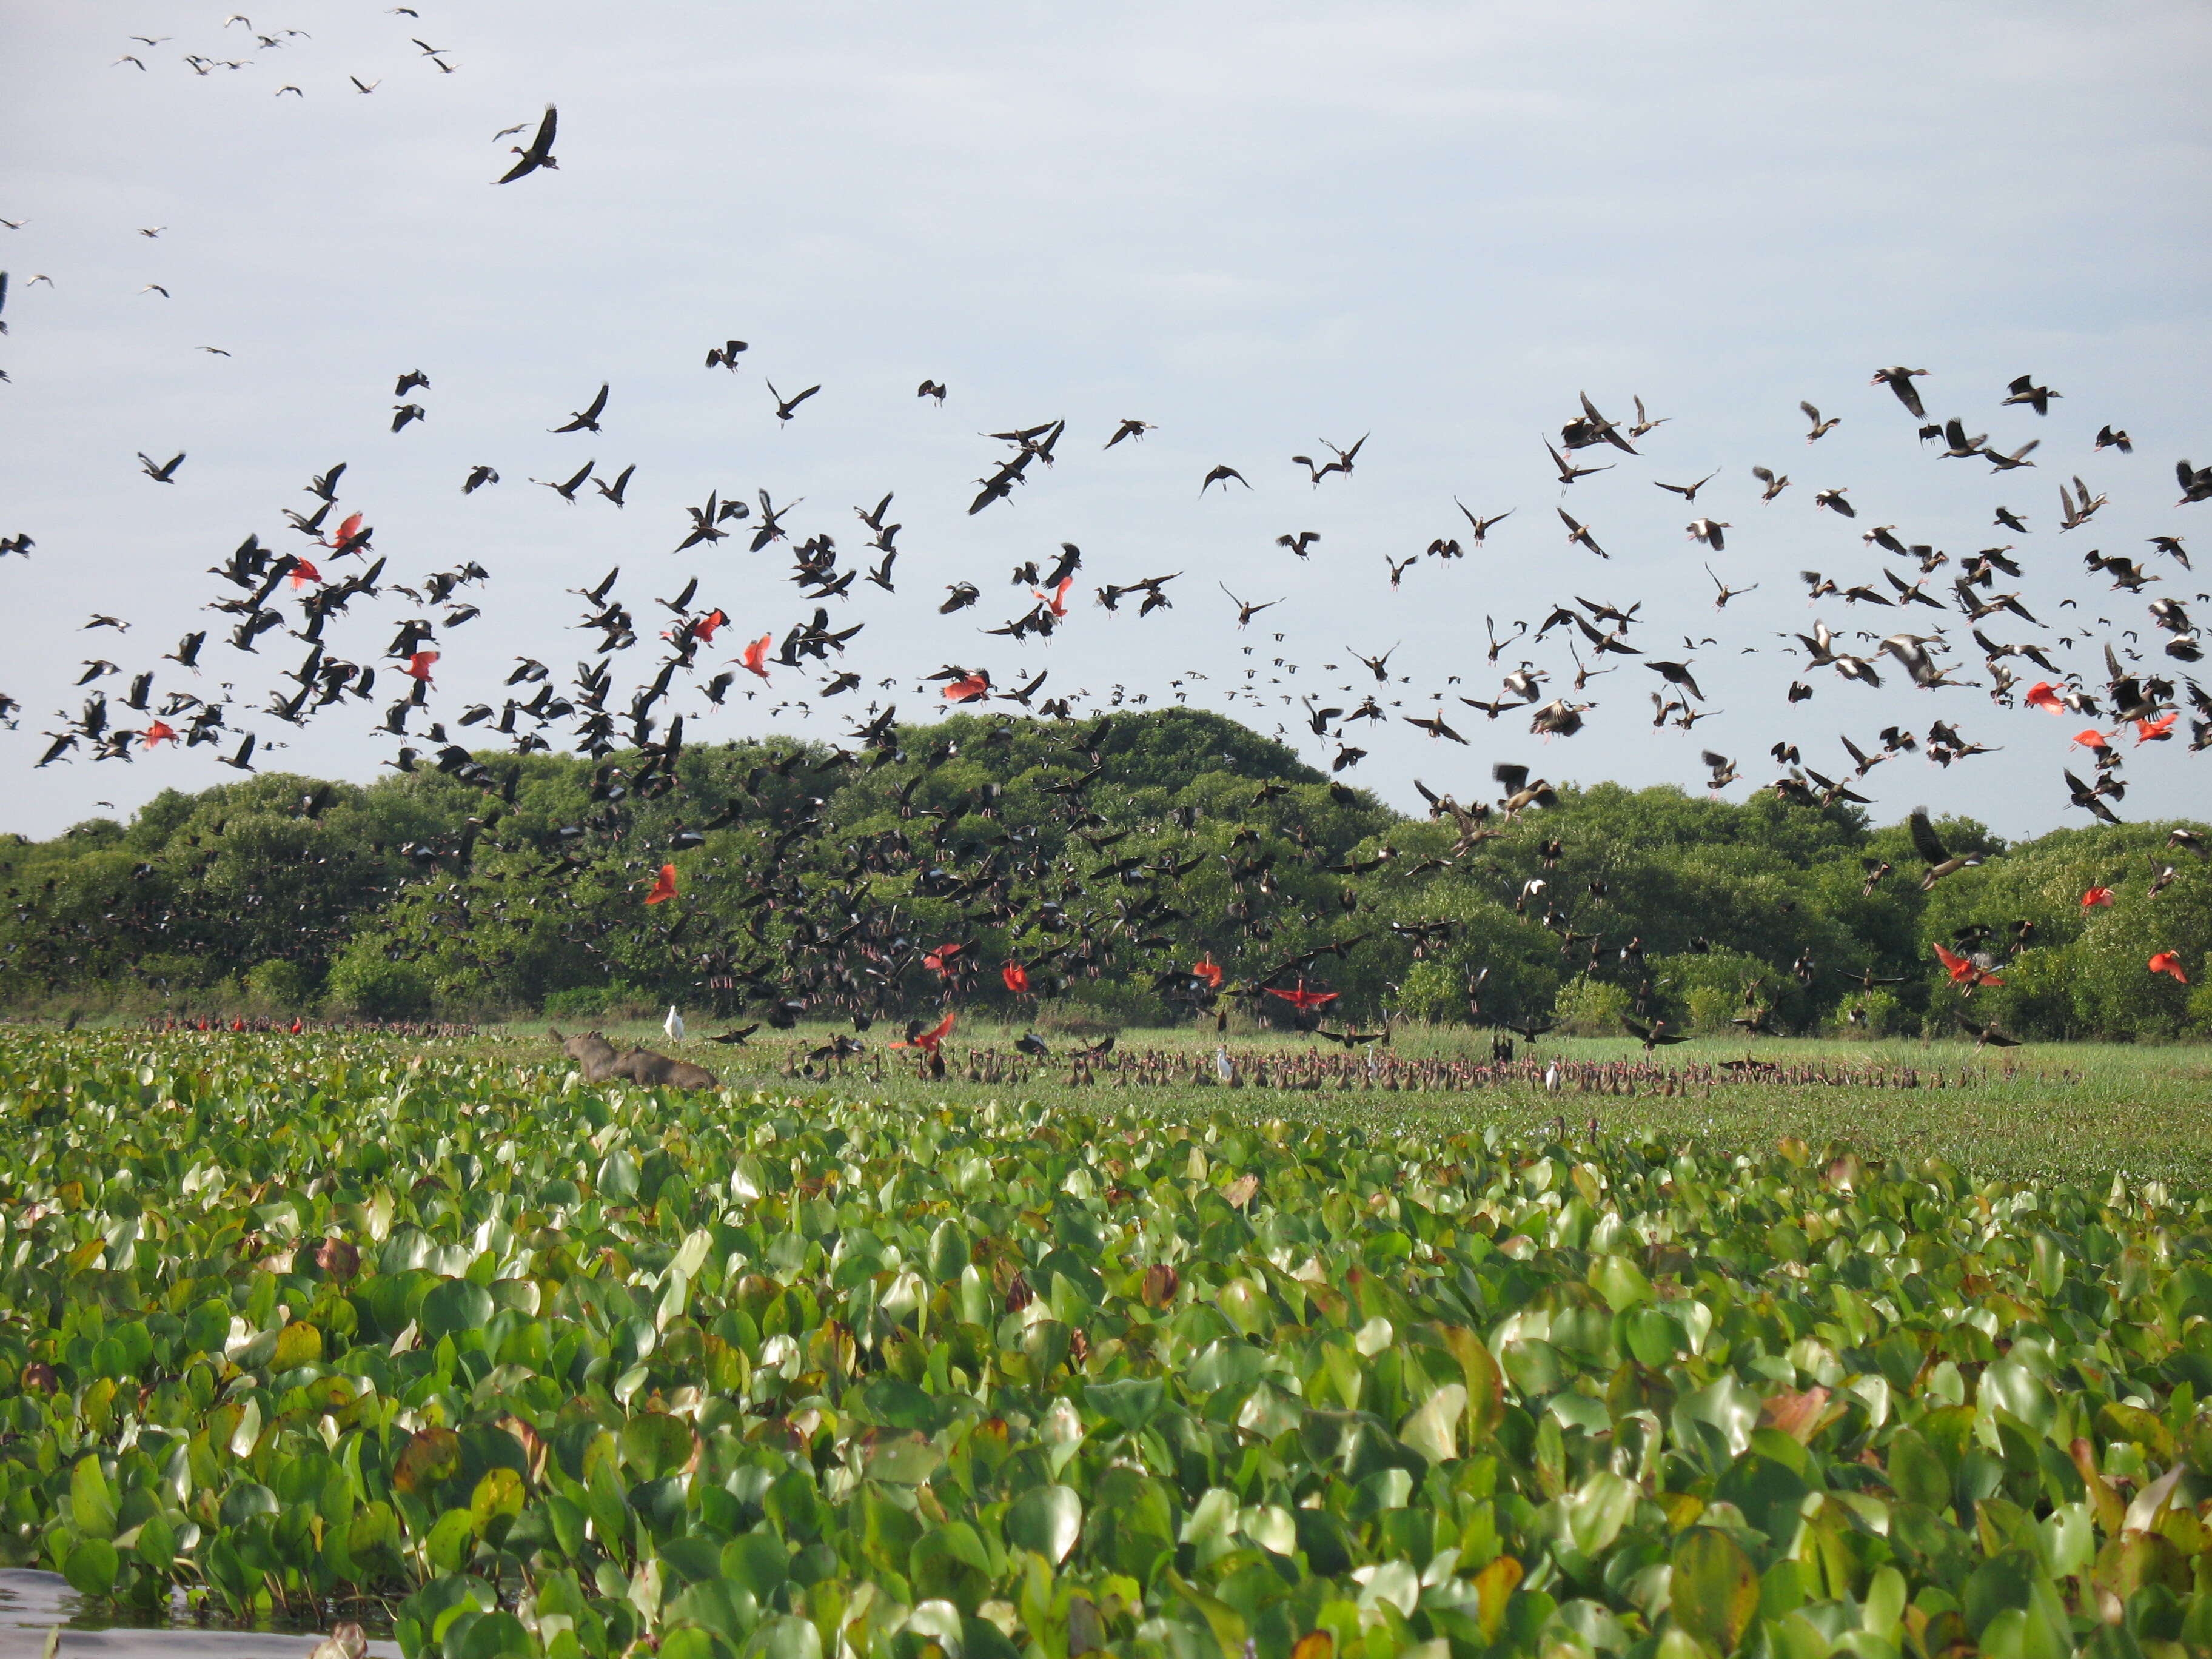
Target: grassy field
[[2082, 1110]]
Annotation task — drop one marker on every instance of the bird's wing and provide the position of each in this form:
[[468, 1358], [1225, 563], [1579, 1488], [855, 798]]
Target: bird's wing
[[1924, 841]]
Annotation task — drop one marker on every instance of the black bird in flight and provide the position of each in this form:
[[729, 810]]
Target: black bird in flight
[[540, 153], [587, 420], [786, 407]]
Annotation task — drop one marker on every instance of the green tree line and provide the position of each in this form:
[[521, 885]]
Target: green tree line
[[1112, 857]]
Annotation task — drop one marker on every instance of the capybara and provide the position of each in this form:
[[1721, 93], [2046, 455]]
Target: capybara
[[601, 1064]]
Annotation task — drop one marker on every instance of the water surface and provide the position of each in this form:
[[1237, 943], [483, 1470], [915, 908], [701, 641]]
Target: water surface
[[32, 1605]]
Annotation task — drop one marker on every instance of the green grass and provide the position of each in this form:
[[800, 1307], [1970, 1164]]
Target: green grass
[[2084, 1111]]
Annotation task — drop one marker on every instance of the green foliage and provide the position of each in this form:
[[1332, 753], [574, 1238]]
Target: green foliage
[[366, 982], [1590, 1007], [1431, 991], [559, 1372], [618, 1000], [278, 985], [2085, 973], [422, 894]]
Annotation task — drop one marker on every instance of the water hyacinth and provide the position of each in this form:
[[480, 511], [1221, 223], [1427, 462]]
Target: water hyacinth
[[532, 1368]]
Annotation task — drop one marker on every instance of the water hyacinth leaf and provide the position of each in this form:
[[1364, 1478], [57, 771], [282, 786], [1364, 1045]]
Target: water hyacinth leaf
[[245, 1433], [498, 1495], [728, 1609], [430, 1456], [1727, 1405], [1129, 1403], [896, 1403], [617, 1180], [1770, 1495], [91, 1566], [1536, 1368], [297, 1344], [1493, 1584], [453, 1540], [1917, 1474], [904, 1460], [155, 1547], [1268, 1412], [950, 1251], [1045, 1521], [1246, 1305], [92, 1500], [1715, 1588], [2011, 1387], [453, 1307], [1479, 1372], [654, 1443], [1433, 1430], [758, 1563], [1062, 1431], [1597, 1510], [786, 1637], [494, 1636], [1620, 1282], [245, 1500], [691, 1254], [1653, 1337]]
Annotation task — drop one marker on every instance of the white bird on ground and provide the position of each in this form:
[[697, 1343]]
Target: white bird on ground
[[1551, 1077], [673, 1024], [1224, 1067]]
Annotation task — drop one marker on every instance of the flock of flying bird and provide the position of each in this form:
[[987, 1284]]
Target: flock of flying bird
[[317, 586]]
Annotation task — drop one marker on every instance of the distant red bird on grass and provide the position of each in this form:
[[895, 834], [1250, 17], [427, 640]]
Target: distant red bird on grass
[[663, 886], [1963, 970], [2168, 963], [926, 1041], [1303, 998]]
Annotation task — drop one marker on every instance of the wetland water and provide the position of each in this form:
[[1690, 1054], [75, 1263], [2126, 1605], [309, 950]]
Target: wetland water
[[33, 1604]]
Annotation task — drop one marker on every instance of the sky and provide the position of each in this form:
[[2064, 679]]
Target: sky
[[1259, 228]]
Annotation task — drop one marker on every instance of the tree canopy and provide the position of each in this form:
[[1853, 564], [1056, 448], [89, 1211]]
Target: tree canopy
[[1110, 858]]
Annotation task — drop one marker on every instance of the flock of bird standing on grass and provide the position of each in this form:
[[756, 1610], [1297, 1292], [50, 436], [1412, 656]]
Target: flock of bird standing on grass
[[318, 588]]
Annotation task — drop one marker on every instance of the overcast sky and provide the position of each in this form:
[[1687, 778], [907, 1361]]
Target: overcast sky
[[1256, 227]]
